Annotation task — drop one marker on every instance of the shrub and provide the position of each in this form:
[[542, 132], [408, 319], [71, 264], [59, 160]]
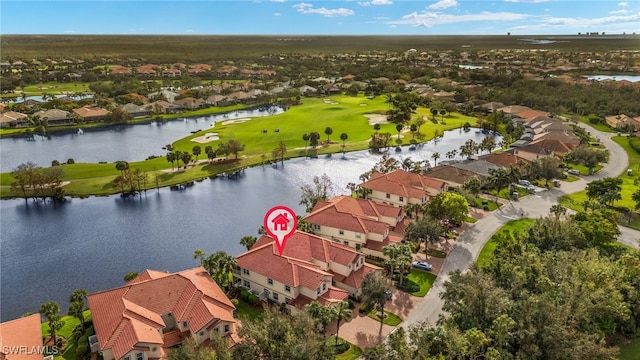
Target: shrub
[[235, 302], [594, 119], [485, 207], [409, 286], [254, 300], [55, 163], [634, 142], [365, 308], [244, 294], [342, 347], [352, 305], [71, 161]]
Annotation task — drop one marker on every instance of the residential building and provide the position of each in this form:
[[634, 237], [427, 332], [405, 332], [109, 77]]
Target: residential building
[[540, 149], [89, 114], [156, 311], [54, 117], [136, 111], [362, 224], [21, 339], [310, 268], [399, 188], [622, 121], [11, 119], [453, 176]]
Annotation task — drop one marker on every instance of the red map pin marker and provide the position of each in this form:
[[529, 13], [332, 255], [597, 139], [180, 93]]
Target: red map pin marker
[[280, 222]]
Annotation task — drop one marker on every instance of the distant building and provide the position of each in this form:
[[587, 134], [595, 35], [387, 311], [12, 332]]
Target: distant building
[[399, 188]]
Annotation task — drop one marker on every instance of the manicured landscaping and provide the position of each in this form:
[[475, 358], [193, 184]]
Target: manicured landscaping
[[511, 228], [469, 219], [424, 279], [352, 353], [490, 203], [70, 322], [390, 318], [437, 253], [630, 351], [575, 201], [583, 169]]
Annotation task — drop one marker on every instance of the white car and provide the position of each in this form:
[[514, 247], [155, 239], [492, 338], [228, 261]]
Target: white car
[[422, 265], [573, 172]]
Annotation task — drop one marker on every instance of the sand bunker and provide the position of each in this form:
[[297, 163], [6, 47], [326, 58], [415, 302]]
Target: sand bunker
[[208, 137], [235, 121], [377, 119]]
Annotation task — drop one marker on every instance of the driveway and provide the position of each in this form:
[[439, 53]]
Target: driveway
[[470, 242]]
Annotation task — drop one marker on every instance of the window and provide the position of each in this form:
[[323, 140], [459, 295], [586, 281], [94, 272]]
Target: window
[[388, 196], [275, 296], [346, 243], [216, 329], [246, 271], [201, 333], [139, 356], [286, 301], [358, 235], [246, 284], [184, 324], [341, 232], [318, 291], [358, 246], [127, 358], [316, 227], [287, 288], [270, 281], [324, 286], [401, 199], [154, 349], [226, 328]]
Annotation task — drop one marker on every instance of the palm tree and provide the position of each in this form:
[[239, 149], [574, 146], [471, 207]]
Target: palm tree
[[248, 241], [328, 131], [51, 310], [435, 156], [77, 307], [344, 138], [399, 129], [413, 208], [343, 313], [323, 315], [498, 178], [306, 138], [197, 150], [407, 164], [376, 127]]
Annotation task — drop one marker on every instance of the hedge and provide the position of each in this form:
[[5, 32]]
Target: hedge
[[634, 142]]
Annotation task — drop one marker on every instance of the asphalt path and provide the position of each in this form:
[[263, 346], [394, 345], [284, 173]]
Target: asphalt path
[[468, 245]]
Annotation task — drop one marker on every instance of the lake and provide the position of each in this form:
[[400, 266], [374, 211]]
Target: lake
[[47, 251], [632, 78]]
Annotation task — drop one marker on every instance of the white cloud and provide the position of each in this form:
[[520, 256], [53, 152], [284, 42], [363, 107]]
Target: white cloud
[[308, 9], [623, 4], [623, 23], [375, 2], [393, 26], [429, 19], [277, 14], [620, 12], [443, 4], [69, 31]]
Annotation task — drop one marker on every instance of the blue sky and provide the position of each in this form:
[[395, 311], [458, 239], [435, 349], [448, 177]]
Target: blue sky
[[356, 17]]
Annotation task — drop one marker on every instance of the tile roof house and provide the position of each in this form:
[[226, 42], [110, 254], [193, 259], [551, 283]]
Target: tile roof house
[[55, 116], [310, 268], [156, 311], [11, 119], [453, 176], [191, 103], [399, 188], [543, 148], [136, 111], [21, 339], [88, 113], [479, 167], [621, 121], [362, 224], [163, 107]]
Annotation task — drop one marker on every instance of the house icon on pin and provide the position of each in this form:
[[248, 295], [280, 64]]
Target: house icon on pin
[[280, 222]]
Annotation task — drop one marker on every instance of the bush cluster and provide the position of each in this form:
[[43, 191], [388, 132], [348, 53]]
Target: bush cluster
[[634, 142]]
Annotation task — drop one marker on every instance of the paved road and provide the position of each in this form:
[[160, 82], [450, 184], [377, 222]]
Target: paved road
[[471, 241]]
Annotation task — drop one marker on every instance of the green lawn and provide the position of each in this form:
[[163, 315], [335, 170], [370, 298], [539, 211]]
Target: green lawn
[[390, 319], [352, 353], [53, 88], [631, 351], [424, 279], [247, 311], [492, 204], [471, 220], [313, 115], [511, 228], [583, 169], [574, 201], [504, 193], [70, 322]]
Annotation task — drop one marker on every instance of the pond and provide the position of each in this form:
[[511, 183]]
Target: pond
[[632, 78], [130, 142], [47, 251]]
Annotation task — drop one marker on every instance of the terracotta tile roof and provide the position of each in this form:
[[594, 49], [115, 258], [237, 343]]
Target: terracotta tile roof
[[404, 183], [299, 263], [148, 275], [530, 113], [355, 279], [87, 111], [21, 332], [549, 145], [504, 159], [347, 213], [10, 116], [453, 175], [131, 314], [514, 109]]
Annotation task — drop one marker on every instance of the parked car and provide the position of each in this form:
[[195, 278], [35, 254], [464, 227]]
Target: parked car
[[524, 183], [573, 172], [422, 265]]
